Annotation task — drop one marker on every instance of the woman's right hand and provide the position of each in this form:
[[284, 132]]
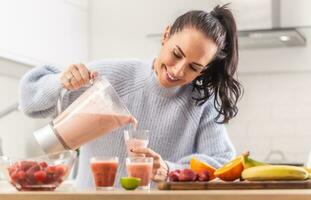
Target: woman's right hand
[[76, 76]]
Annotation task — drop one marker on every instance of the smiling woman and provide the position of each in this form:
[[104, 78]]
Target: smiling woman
[[201, 48], [182, 96]]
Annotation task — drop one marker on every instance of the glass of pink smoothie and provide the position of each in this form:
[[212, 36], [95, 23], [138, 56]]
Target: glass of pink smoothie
[[140, 167], [104, 169], [135, 139]]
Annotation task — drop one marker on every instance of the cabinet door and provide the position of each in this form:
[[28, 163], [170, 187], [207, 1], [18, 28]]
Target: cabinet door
[[35, 31]]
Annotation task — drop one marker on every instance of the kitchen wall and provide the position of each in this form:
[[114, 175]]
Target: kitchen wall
[[15, 128], [118, 28], [274, 112]]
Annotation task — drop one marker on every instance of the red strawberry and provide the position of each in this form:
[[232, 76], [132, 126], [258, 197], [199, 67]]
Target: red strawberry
[[30, 178], [26, 164], [50, 169], [49, 178], [61, 170], [21, 175], [43, 164], [14, 176], [11, 169], [40, 176]]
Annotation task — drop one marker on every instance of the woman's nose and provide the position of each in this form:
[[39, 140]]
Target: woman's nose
[[179, 70]]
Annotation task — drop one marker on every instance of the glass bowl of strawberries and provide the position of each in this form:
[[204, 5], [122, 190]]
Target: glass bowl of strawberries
[[43, 173]]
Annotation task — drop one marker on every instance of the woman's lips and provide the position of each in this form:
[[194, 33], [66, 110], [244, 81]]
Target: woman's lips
[[170, 77]]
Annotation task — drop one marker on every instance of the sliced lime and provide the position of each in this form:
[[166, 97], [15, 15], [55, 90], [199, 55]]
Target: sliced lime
[[130, 183]]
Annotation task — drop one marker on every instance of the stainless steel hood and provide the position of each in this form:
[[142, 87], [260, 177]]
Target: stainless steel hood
[[271, 38], [276, 36]]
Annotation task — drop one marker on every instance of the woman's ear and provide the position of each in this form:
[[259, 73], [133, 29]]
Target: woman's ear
[[166, 35]]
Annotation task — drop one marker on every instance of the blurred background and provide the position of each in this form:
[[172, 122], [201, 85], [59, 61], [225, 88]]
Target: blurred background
[[274, 68]]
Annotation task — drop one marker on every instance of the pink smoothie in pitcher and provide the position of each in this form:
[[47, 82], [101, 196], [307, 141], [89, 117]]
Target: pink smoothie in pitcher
[[78, 128], [104, 172], [140, 170]]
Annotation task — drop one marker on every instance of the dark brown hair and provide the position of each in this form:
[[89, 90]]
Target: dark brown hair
[[219, 79]]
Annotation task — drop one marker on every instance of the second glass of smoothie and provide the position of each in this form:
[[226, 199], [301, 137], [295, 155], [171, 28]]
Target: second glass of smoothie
[[140, 167]]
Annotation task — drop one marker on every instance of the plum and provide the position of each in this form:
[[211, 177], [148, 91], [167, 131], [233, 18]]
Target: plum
[[173, 176], [187, 175], [203, 175]]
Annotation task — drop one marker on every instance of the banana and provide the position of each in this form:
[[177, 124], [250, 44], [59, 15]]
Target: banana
[[249, 162], [274, 173]]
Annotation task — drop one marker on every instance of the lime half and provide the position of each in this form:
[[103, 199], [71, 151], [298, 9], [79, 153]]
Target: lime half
[[130, 183]]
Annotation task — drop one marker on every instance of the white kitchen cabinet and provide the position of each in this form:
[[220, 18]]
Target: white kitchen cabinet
[[266, 14], [295, 13], [44, 31], [251, 14]]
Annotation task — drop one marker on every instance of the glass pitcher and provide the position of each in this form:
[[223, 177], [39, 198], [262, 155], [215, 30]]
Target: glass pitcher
[[96, 112]]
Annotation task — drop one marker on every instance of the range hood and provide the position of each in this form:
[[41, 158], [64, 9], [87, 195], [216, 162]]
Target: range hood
[[271, 38], [278, 35]]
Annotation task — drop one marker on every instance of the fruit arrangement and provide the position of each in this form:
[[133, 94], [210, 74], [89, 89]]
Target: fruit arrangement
[[241, 168], [32, 175]]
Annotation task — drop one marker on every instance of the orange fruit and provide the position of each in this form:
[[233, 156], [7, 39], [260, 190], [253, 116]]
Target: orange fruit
[[231, 170], [198, 166]]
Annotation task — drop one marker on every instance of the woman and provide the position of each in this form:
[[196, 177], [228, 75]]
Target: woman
[[183, 96]]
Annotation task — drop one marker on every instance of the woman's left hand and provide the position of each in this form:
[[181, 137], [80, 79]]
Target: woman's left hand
[[160, 168]]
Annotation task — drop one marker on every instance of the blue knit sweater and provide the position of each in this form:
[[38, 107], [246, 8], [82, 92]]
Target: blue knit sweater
[[179, 129]]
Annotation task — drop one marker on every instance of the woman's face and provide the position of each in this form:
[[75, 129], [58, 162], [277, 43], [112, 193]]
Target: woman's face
[[183, 57]]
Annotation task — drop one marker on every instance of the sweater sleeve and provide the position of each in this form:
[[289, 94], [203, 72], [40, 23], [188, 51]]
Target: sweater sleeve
[[213, 144], [40, 87], [39, 90]]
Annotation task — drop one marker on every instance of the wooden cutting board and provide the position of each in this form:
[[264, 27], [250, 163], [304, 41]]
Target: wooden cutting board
[[238, 185]]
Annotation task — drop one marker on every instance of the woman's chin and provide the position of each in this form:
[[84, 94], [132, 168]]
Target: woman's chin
[[164, 84]]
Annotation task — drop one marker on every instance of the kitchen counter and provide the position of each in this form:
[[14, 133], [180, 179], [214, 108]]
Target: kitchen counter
[[67, 192]]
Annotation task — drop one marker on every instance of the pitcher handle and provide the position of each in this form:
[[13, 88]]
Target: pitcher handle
[[60, 100], [64, 91]]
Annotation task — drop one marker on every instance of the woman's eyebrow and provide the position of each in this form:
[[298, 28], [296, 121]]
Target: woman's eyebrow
[[185, 56], [181, 51]]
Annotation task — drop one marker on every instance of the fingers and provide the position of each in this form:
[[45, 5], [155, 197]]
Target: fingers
[[148, 152], [84, 73], [77, 80], [76, 76], [93, 74], [65, 80], [160, 169]]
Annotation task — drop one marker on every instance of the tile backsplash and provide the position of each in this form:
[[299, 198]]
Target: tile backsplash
[[274, 115]]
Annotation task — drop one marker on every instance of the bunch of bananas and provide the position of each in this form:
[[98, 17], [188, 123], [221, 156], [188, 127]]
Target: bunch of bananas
[[275, 173], [259, 171]]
